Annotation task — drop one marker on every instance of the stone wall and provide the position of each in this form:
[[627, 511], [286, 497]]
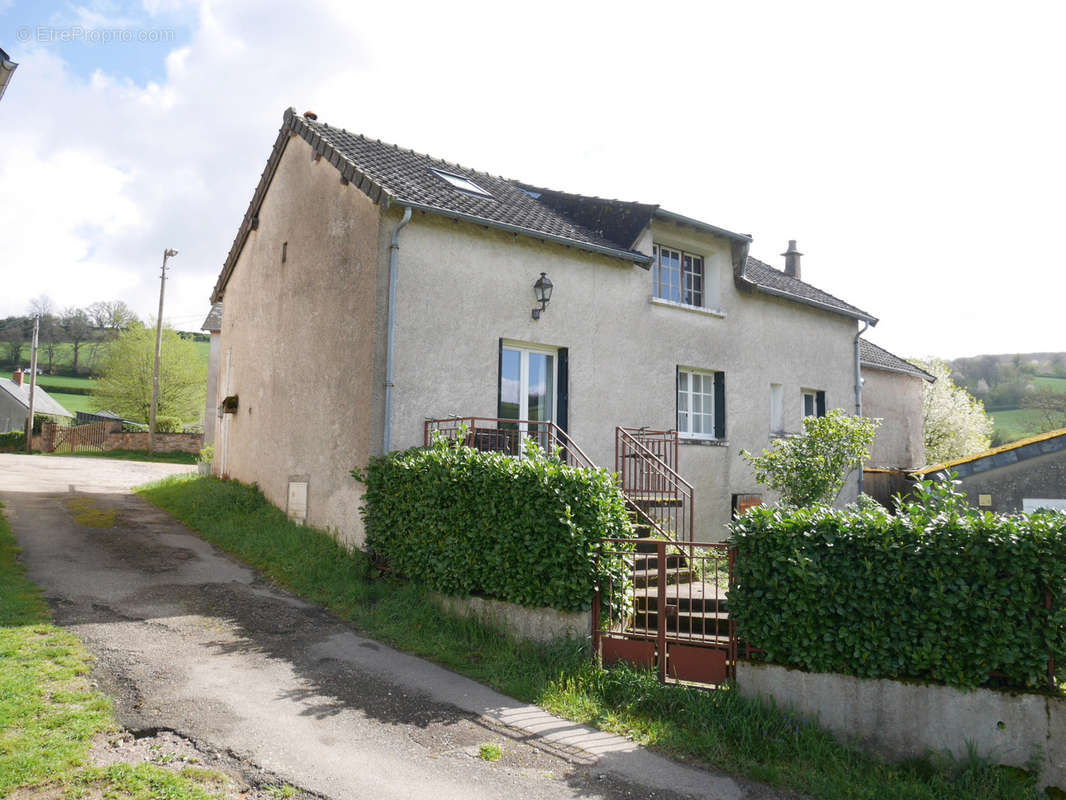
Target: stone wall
[[904, 720], [164, 442]]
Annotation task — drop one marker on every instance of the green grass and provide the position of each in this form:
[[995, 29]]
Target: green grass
[[1050, 382], [60, 382], [719, 728], [49, 715], [133, 455], [75, 402], [1018, 423]]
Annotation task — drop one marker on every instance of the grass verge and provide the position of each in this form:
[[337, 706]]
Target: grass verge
[[49, 715], [719, 728], [134, 455]]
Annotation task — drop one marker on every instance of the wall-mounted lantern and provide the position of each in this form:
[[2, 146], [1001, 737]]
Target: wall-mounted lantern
[[542, 290]]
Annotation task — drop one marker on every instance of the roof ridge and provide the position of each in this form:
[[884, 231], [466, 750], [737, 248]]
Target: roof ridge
[[402, 148]]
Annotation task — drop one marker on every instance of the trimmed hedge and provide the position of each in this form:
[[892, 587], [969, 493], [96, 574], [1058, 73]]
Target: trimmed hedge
[[465, 522], [939, 591], [12, 442]]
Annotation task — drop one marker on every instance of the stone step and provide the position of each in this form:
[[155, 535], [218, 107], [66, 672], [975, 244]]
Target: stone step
[[643, 578], [704, 623], [688, 597], [650, 561], [720, 640]]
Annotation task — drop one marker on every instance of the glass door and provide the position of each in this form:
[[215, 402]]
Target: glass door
[[527, 392]]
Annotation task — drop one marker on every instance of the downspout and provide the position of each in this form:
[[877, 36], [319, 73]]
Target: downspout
[[394, 259], [858, 387]]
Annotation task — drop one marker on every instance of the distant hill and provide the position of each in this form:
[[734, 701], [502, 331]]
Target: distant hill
[[1024, 392]]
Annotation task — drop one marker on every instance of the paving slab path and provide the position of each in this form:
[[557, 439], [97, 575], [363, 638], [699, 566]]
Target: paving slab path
[[189, 640]]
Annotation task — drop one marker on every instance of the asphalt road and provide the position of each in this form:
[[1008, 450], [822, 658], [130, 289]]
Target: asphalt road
[[190, 641]]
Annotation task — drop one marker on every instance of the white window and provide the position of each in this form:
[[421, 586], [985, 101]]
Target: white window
[[700, 404], [461, 183], [813, 403], [677, 276], [777, 408]]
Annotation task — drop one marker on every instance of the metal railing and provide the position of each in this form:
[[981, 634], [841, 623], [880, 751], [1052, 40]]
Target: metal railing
[[660, 497], [671, 612], [495, 434], [663, 444]]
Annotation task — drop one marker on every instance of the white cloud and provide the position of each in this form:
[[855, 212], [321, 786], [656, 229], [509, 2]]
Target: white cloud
[[913, 150]]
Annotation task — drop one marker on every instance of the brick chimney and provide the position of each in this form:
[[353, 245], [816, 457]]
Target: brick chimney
[[16, 377], [792, 260]]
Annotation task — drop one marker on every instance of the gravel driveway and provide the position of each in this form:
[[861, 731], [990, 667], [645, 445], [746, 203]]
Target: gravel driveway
[[196, 649]]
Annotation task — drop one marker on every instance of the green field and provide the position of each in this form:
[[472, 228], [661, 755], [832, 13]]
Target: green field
[[90, 357], [1021, 423], [55, 384]]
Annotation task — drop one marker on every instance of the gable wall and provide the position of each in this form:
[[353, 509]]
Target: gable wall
[[462, 287], [300, 341], [897, 400]]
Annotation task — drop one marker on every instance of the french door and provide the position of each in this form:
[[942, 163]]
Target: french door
[[528, 391]]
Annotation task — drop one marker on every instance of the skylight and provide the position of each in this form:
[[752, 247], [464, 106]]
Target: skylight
[[461, 183]]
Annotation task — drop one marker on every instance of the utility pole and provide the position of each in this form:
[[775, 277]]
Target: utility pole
[[33, 384], [168, 253]]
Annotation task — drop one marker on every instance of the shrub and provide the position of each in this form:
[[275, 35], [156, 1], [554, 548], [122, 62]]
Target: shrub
[[940, 591], [462, 522], [167, 425], [811, 467], [12, 442]]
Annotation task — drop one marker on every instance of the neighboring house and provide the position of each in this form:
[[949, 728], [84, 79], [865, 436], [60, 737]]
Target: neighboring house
[[656, 320], [15, 403], [87, 417], [892, 390], [1020, 476], [213, 325]]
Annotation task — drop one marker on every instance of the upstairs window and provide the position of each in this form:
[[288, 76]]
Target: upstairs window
[[813, 403], [678, 276], [700, 404]]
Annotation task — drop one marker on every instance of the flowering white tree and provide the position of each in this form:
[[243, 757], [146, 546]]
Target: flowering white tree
[[956, 425]]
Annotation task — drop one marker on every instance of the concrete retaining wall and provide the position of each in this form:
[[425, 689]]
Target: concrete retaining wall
[[902, 720], [533, 624]]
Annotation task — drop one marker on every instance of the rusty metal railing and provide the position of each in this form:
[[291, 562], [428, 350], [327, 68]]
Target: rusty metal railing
[[662, 444], [658, 495], [495, 434], [672, 613]]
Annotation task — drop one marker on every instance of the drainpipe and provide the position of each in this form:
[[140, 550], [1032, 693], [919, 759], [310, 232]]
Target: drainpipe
[[858, 386], [394, 259]]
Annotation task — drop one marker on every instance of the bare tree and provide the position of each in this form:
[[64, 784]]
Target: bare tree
[[77, 328], [15, 332], [112, 316], [50, 337], [1050, 404], [42, 306]]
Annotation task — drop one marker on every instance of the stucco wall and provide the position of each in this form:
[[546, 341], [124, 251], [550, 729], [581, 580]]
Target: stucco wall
[[903, 720], [897, 399], [462, 288], [298, 343], [1042, 478]]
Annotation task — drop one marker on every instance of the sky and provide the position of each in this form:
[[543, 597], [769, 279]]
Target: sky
[[915, 151]]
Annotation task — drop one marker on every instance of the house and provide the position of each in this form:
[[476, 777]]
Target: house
[[892, 391], [372, 288], [1020, 476], [15, 403]]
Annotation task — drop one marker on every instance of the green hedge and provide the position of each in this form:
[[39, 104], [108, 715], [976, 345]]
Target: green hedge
[[939, 591], [12, 442], [464, 522]]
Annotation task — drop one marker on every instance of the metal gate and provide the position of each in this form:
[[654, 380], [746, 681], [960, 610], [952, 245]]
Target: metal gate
[[668, 609], [75, 438]]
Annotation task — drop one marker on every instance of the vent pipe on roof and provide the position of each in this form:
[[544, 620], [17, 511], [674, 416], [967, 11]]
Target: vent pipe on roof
[[792, 260]]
